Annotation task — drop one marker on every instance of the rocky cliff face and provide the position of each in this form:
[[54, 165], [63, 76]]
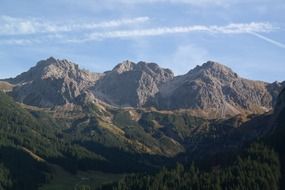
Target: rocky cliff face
[[52, 82], [212, 89], [218, 90], [130, 84]]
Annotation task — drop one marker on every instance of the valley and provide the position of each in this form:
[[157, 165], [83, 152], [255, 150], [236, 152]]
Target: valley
[[74, 129]]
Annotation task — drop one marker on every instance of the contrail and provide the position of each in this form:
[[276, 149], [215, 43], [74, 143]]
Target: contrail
[[268, 40]]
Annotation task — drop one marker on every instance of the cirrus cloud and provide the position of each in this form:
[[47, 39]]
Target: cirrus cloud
[[23, 26], [44, 31], [233, 28]]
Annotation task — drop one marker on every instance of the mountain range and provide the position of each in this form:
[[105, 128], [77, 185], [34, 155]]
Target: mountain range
[[62, 122], [211, 90]]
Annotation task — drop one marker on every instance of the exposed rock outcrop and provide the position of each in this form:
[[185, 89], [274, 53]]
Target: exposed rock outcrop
[[130, 84], [218, 90], [212, 89], [52, 82]]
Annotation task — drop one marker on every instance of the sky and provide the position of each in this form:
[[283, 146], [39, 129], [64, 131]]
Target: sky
[[245, 35]]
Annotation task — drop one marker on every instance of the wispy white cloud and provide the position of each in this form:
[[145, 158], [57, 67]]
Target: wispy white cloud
[[19, 42], [190, 2], [234, 28], [88, 36], [196, 3], [121, 4], [274, 42], [23, 26]]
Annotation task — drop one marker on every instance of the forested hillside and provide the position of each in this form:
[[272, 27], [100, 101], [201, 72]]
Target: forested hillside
[[235, 153], [259, 166]]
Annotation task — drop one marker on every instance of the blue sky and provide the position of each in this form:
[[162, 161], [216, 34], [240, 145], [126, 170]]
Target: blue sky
[[246, 35]]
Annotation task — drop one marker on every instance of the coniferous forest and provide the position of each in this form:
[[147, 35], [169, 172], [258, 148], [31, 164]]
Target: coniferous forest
[[28, 146]]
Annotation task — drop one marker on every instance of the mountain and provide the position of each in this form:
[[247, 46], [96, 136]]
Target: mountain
[[130, 84], [77, 120], [52, 82], [257, 164], [217, 90], [211, 90]]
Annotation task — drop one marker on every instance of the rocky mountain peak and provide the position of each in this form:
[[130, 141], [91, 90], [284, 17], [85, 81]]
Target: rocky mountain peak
[[150, 68], [52, 82], [214, 65], [212, 88], [51, 61], [216, 89], [62, 69], [212, 69], [154, 69], [49, 68], [124, 67], [131, 84]]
